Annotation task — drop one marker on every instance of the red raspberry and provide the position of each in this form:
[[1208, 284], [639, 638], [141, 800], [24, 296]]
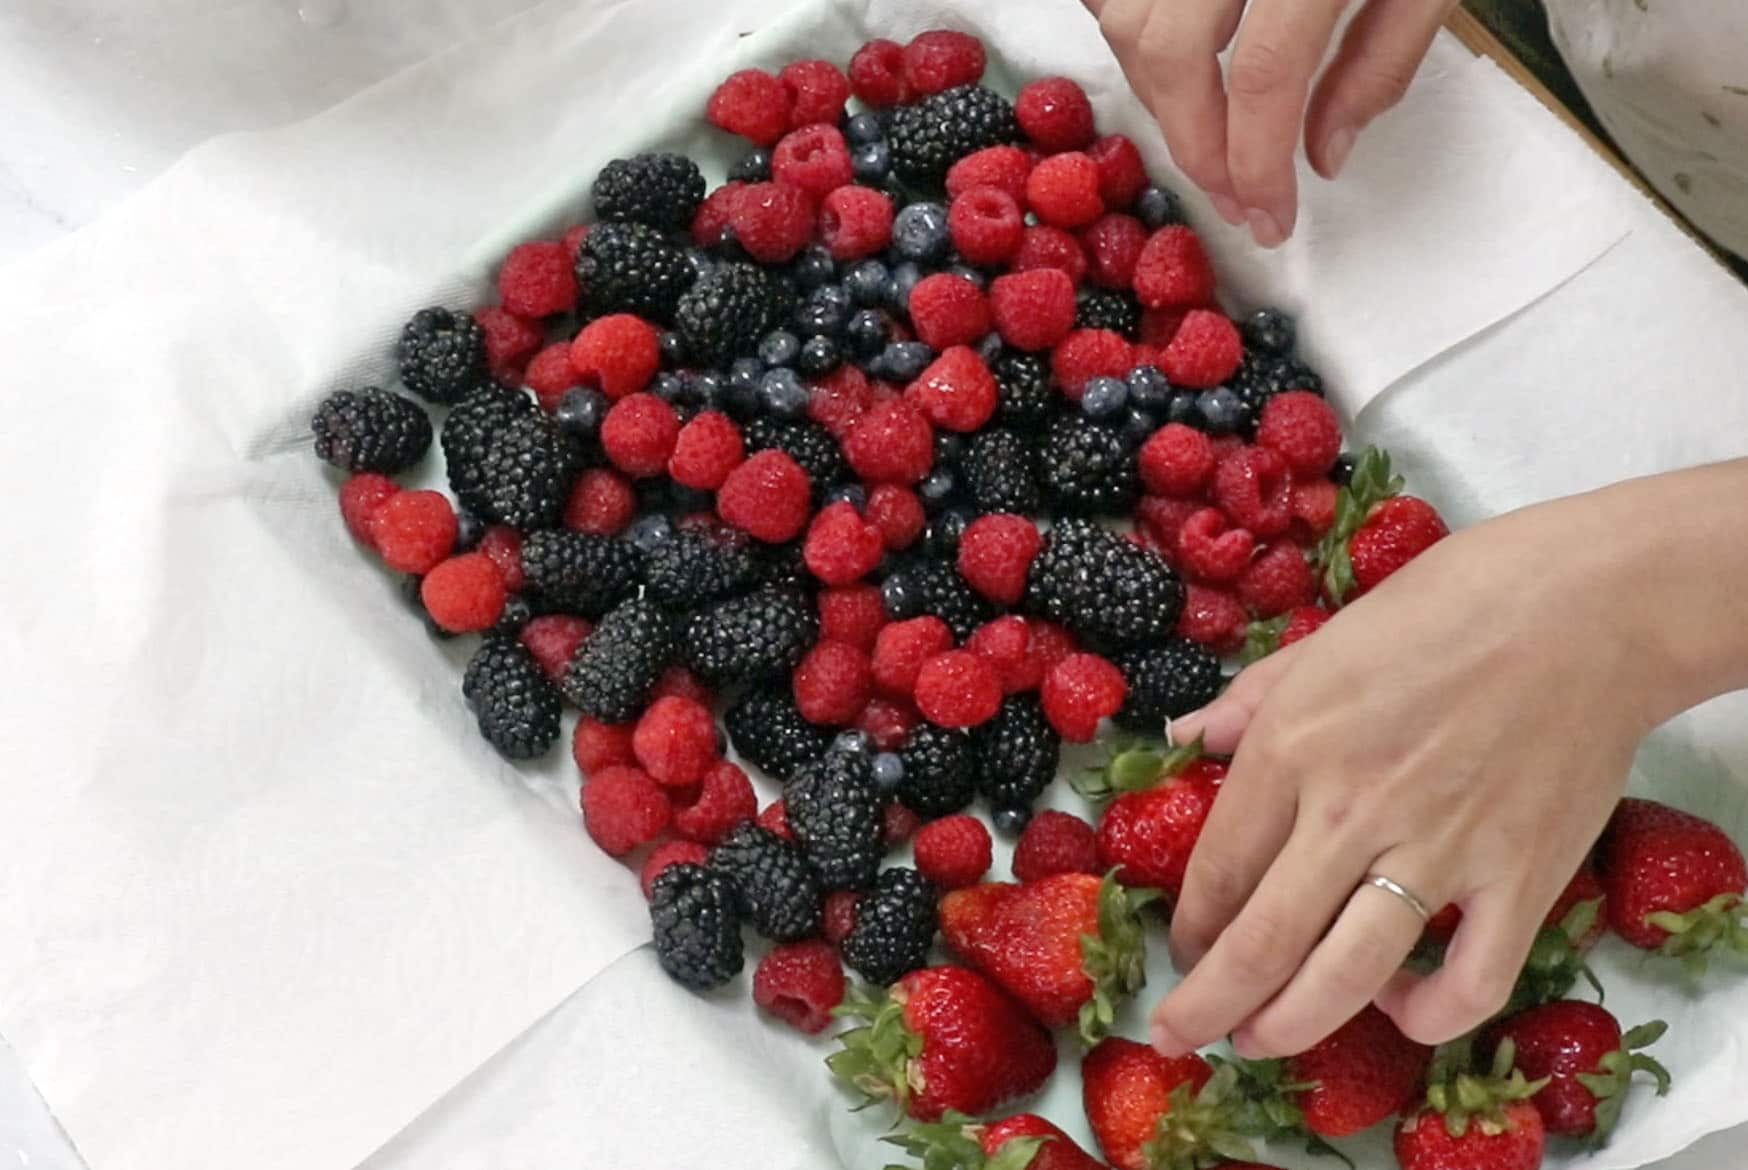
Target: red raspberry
[[898, 513], [817, 91], [1063, 190], [1314, 505], [995, 554], [1005, 644], [815, 158], [1255, 490], [901, 824], [705, 451], [1211, 550], [832, 683], [715, 214], [553, 640], [1114, 242], [1050, 644], [800, 983], [954, 852], [948, 310], [1176, 460], [361, 496], [675, 741], [574, 237], [1226, 445], [1174, 271], [1055, 842], [1304, 429], [1086, 354], [602, 502], [619, 353], [623, 808], [725, 799], [549, 374], [768, 497], [1051, 247], [1056, 114], [1079, 692], [1162, 518], [510, 341], [1002, 167], [754, 105], [855, 222], [596, 745], [537, 279], [676, 682], [1159, 326], [957, 391], [773, 221], [841, 547], [503, 545], [413, 531], [887, 724], [639, 434], [987, 226], [1033, 310], [1212, 617], [666, 854], [1205, 352], [877, 74], [464, 594], [775, 818], [940, 60], [853, 614], [901, 649], [1302, 622], [1396, 531], [1122, 173], [839, 399], [957, 689], [839, 918], [1279, 579]]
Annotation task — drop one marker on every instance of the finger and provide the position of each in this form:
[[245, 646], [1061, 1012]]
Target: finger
[[1479, 971], [1379, 54], [1223, 722], [1177, 72]]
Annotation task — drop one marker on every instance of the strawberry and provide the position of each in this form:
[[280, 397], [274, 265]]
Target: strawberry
[[1069, 947], [942, 1038], [1675, 881], [1589, 1065], [1152, 1112], [1363, 1072], [1148, 831], [1473, 1121], [1376, 531], [1024, 1141]]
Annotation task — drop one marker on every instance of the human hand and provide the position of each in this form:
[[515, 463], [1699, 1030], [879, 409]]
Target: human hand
[[1236, 137]]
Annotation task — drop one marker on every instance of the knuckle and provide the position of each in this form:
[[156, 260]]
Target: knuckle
[[1260, 70], [1216, 881], [1370, 961], [1477, 997], [1386, 83]]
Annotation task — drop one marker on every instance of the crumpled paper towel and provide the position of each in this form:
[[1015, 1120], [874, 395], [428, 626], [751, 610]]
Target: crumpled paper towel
[[265, 896]]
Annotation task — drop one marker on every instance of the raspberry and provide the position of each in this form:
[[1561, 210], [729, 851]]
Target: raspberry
[[891, 443], [639, 434], [1005, 644], [855, 222], [752, 104], [772, 221], [887, 724], [954, 852], [1056, 114], [957, 391], [987, 227], [901, 649], [1212, 617], [1302, 622], [841, 546], [550, 374], [464, 594], [800, 983], [361, 496], [1051, 247], [1205, 352], [1279, 579], [623, 808], [553, 640], [1314, 505], [775, 817], [677, 682], [1113, 242], [1211, 550], [1174, 271], [1033, 310], [601, 502], [817, 91], [900, 826], [705, 451], [574, 237], [1002, 167], [413, 531], [619, 353], [1253, 487], [1159, 326], [957, 689], [1176, 461], [768, 497], [877, 74], [1122, 173], [538, 279], [1304, 429], [675, 742], [839, 918], [1086, 354], [948, 310], [995, 554], [852, 614], [832, 684], [596, 745], [510, 341], [838, 400], [898, 513], [1063, 190], [1055, 842], [715, 214], [1080, 691], [670, 853], [503, 545], [941, 60], [1051, 643], [725, 799], [1162, 518], [815, 158]]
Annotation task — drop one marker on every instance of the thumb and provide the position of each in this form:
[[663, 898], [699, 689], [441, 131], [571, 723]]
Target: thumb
[[1222, 723]]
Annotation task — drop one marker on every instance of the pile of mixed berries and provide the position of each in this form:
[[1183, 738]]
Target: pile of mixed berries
[[920, 446]]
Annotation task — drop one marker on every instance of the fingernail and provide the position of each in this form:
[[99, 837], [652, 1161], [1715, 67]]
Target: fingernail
[[1165, 1042], [1182, 730], [1336, 150], [1264, 227], [1227, 209]]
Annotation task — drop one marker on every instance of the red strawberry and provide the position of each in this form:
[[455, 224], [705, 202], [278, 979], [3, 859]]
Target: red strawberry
[[1396, 531], [1147, 833], [1472, 1121], [1675, 881], [1362, 1073], [1151, 1112], [1024, 1141], [1069, 947], [1589, 1065], [942, 1038]]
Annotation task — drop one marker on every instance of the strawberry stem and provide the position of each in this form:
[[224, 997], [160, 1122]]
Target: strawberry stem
[[877, 1058], [1115, 958], [1371, 484], [1135, 767]]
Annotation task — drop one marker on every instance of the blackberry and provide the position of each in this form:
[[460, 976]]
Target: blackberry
[[370, 430], [1017, 754], [779, 888], [1086, 467], [837, 813], [660, 190], [753, 639], [998, 473], [935, 587], [1262, 375], [516, 705], [615, 667], [938, 131], [633, 268], [806, 442], [940, 776], [1109, 308], [728, 311], [752, 167], [697, 926], [580, 572], [690, 569], [1166, 681], [782, 565], [895, 926], [1023, 380], [769, 732], [1103, 586], [442, 355], [508, 461]]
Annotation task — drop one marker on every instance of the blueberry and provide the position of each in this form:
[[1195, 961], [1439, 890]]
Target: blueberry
[[937, 488], [863, 129], [819, 357], [866, 283], [888, 772], [815, 267], [701, 263], [920, 233], [1138, 426], [1222, 411], [871, 162], [826, 310], [1011, 822], [944, 532], [669, 387], [468, 530], [1184, 408], [906, 276], [745, 379], [580, 412], [1158, 207], [1148, 389], [855, 743], [779, 348], [707, 388], [673, 350], [853, 494], [966, 272], [899, 595], [867, 333], [1343, 470], [783, 394], [647, 532], [948, 449], [991, 348], [1271, 331], [908, 360], [754, 167], [1105, 397], [515, 614]]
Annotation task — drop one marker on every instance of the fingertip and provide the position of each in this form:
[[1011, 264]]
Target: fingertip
[[1164, 1040], [1227, 208], [1266, 228], [1329, 159]]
